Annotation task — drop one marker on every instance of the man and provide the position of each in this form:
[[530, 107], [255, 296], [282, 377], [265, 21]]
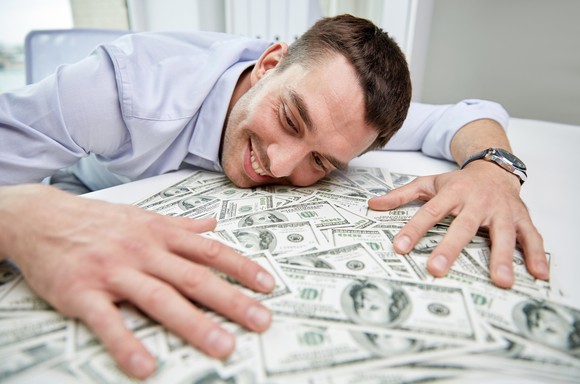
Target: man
[[263, 113]]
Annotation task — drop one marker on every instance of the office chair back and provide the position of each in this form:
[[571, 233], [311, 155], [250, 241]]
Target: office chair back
[[45, 50]]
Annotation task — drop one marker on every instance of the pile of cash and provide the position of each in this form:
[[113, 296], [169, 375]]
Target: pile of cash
[[346, 307]]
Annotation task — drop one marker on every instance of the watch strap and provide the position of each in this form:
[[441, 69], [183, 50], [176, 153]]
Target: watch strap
[[496, 156]]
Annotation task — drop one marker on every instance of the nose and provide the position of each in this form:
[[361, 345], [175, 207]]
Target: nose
[[285, 158]]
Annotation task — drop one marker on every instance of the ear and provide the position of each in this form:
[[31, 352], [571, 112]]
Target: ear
[[269, 60]]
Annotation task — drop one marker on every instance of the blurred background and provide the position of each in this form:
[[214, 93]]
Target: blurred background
[[524, 54]]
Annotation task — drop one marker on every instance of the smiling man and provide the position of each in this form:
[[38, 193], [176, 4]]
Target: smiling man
[[262, 113]]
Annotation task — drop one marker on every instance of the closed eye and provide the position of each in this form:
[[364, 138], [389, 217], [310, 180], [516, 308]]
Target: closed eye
[[288, 119], [319, 163]]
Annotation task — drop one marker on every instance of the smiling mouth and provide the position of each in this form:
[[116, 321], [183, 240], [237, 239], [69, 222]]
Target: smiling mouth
[[255, 164]]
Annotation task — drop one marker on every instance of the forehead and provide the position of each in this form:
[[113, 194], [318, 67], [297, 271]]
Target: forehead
[[335, 101]]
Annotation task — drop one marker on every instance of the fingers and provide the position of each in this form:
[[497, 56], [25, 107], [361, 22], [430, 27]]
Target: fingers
[[533, 247], [212, 253], [103, 317], [205, 287], [503, 237], [418, 189], [164, 304]]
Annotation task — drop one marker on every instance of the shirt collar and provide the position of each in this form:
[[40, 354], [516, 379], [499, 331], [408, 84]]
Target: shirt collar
[[206, 138]]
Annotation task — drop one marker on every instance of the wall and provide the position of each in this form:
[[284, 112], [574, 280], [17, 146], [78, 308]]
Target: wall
[[522, 53]]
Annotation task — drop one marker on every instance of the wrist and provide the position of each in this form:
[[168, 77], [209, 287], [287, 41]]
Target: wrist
[[490, 171], [503, 159]]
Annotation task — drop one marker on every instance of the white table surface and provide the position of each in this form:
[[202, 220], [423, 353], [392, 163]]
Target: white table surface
[[550, 152]]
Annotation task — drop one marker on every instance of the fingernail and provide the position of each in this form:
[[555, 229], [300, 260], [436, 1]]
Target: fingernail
[[259, 317], [503, 273], [403, 243], [265, 281], [219, 342], [542, 270], [141, 366], [439, 263]]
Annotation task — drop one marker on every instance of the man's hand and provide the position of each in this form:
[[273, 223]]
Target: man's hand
[[480, 195], [83, 256]]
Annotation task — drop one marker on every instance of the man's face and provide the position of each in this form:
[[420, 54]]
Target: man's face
[[296, 126]]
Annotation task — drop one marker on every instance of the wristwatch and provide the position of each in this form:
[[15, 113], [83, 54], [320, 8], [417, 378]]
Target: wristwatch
[[504, 159]]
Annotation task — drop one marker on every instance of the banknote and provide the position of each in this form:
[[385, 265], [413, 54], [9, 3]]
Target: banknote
[[292, 347], [16, 332], [371, 183], [43, 352], [400, 179], [275, 238], [322, 213], [245, 205], [353, 203], [356, 259], [542, 321], [379, 304], [403, 213]]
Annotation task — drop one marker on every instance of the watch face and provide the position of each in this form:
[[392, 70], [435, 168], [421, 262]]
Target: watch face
[[512, 158]]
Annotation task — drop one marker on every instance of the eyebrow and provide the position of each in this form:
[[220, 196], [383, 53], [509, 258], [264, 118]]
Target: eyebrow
[[300, 104], [298, 101]]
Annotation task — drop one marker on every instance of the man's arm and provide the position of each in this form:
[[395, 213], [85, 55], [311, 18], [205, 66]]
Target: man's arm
[[83, 256], [480, 195]]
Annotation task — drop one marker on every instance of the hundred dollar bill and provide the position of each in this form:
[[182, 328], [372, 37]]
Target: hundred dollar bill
[[356, 259], [18, 331], [382, 174], [371, 183], [245, 205], [519, 357], [381, 242], [355, 204], [44, 352], [400, 179], [309, 347], [321, 213], [402, 213], [190, 206], [358, 221], [343, 190], [189, 186], [405, 374], [276, 238], [536, 319], [378, 304]]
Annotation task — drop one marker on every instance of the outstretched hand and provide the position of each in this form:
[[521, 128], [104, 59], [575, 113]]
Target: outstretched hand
[[83, 256], [480, 195]]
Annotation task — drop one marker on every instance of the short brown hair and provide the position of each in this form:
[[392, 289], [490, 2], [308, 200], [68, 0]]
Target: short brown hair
[[377, 59]]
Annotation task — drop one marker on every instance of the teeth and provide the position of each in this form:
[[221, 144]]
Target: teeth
[[255, 165]]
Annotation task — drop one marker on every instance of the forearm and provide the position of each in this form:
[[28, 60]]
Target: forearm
[[477, 136]]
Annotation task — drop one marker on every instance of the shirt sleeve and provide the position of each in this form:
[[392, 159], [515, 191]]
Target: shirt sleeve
[[430, 128], [52, 124]]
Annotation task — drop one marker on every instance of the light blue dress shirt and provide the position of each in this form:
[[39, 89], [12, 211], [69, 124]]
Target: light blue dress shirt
[[150, 103]]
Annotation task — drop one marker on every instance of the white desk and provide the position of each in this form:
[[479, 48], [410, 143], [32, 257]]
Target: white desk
[[550, 153]]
